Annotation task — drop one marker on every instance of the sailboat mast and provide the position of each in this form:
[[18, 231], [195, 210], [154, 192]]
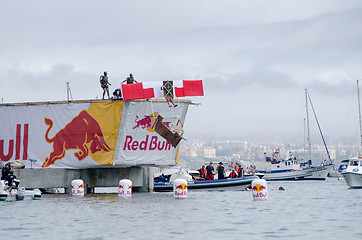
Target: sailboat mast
[[319, 127], [359, 111], [308, 135]]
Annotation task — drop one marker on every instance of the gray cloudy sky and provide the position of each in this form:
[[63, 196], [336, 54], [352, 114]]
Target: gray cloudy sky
[[255, 58]]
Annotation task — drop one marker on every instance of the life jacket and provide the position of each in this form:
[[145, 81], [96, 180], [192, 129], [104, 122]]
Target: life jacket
[[232, 174], [240, 169], [202, 171]]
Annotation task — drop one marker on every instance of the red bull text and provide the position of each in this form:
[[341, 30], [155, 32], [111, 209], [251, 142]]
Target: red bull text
[[18, 142], [147, 144], [180, 190]]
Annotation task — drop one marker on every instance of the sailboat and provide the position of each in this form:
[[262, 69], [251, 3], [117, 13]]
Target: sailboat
[[319, 172], [291, 168], [353, 173]]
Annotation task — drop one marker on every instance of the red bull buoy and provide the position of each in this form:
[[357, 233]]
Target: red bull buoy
[[125, 188], [259, 189], [180, 188], [78, 187]]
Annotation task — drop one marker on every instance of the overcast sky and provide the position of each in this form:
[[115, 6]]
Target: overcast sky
[[254, 57]]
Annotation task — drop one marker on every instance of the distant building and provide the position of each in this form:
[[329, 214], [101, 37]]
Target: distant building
[[207, 152]]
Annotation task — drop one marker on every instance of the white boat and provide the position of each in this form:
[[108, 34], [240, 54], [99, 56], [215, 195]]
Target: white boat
[[18, 194], [353, 173], [291, 169]]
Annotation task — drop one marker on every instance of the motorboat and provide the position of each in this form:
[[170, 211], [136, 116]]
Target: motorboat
[[164, 181], [292, 169], [18, 194], [353, 173]]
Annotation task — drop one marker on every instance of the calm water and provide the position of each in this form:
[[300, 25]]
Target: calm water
[[304, 210]]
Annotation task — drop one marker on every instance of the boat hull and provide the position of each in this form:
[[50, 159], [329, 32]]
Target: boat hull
[[312, 173], [319, 172], [354, 180], [222, 184], [28, 195]]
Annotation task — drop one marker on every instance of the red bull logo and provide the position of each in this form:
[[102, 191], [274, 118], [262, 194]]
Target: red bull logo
[[258, 188], [259, 191], [125, 192], [147, 122], [180, 190], [83, 133], [182, 187]]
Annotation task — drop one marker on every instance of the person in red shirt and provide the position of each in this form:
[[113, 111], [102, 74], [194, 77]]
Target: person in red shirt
[[210, 172]]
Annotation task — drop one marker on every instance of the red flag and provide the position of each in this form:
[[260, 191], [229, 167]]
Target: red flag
[[136, 91], [190, 88]]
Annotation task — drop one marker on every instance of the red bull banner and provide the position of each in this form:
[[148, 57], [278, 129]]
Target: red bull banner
[[86, 135], [70, 135], [137, 140]]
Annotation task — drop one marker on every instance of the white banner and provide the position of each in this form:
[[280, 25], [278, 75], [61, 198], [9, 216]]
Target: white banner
[[87, 135], [138, 143]]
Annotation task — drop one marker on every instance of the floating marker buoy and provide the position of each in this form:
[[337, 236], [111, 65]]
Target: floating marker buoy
[[78, 187], [259, 189], [180, 188], [125, 188]]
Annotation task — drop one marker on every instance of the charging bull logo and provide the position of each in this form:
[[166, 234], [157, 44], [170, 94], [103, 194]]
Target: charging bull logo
[[83, 133], [147, 122], [122, 187], [182, 187], [81, 186], [259, 188]]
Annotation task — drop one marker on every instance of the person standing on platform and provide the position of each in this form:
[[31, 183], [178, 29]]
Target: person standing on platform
[[130, 79], [104, 84]]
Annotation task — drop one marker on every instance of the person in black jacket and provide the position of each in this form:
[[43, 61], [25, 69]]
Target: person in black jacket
[[5, 171]]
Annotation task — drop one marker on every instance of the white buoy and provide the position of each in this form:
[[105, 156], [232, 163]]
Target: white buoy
[[78, 187], [259, 189], [125, 188], [180, 188]]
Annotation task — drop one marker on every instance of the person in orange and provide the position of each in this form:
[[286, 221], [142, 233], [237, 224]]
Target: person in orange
[[202, 172], [233, 174], [240, 171]]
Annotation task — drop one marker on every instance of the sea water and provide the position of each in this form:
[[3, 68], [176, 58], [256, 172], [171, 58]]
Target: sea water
[[304, 210]]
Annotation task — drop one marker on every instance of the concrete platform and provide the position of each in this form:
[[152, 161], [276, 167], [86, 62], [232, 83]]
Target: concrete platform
[[141, 177]]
